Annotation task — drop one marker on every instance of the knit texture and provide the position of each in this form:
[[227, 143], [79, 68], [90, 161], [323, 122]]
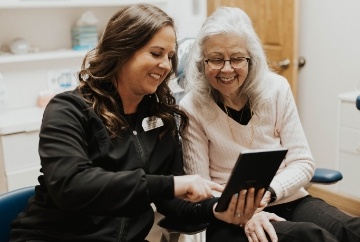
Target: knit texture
[[211, 151]]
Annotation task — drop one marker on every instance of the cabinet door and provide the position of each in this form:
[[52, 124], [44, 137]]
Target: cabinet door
[[350, 141], [349, 148], [22, 178], [20, 160], [349, 166], [20, 150], [350, 116]]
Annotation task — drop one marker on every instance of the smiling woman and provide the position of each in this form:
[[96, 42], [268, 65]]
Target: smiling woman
[[227, 78], [111, 147], [146, 69], [235, 105]]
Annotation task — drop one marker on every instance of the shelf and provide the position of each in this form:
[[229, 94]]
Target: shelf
[[40, 56], [71, 3]]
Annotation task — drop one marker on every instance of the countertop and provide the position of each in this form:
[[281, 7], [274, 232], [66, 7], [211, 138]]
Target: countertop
[[349, 96], [21, 120]]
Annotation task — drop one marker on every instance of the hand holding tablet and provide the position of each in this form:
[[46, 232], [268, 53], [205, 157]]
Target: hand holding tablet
[[255, 168]]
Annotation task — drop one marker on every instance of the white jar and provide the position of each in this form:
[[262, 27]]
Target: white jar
[[19, 46]]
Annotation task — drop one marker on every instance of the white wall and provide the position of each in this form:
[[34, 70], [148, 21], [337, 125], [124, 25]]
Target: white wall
[[188, 16], [329, 39]]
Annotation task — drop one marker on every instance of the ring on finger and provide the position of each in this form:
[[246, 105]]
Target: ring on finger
[[238, 214]]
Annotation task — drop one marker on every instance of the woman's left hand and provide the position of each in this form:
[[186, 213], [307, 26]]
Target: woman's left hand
[[241, 208], [259, 224], [264, 202]]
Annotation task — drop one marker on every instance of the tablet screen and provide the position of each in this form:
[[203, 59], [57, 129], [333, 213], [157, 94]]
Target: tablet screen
[[254, 168]]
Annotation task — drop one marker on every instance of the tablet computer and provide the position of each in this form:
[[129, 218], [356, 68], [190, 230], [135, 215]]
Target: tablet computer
[[253, 168]]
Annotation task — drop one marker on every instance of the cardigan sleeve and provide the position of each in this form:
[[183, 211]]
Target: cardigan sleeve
[[195, 143], [299, 165]]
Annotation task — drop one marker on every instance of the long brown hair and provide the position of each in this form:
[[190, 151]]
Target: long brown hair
[[127, 31]]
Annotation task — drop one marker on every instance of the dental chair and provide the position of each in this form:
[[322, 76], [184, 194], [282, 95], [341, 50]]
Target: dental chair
[[11, 204]]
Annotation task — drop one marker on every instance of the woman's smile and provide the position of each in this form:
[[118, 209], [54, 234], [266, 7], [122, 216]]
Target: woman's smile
[[227, 80], [156, 76]]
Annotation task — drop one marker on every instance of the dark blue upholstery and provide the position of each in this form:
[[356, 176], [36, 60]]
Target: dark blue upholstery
[[358, 102], [326, 176], [11, 204]]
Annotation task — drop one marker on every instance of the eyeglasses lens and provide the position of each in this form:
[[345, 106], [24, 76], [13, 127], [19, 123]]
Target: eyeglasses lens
[[236, 63]]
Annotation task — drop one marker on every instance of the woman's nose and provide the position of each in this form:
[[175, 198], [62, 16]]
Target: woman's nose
[[165, 64], [227, 67]]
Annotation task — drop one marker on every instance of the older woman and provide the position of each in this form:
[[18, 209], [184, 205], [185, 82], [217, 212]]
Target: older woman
[[235, 102]]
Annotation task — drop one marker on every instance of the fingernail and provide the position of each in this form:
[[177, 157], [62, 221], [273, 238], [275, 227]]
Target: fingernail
[[244, 192]]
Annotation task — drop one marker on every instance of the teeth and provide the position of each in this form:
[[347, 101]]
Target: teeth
[[157, 76], [226, 79]]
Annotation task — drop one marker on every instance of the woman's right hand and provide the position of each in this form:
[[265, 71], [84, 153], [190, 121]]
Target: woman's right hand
[[241, 207], [194, 188], [259, 225]]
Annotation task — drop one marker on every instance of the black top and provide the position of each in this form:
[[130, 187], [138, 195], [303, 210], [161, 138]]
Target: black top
[[95, 188], [242, 117]]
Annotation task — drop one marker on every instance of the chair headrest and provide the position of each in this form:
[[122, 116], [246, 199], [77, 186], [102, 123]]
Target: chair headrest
[[183, 53]]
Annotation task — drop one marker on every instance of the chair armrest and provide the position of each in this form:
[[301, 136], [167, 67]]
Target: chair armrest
[[181, 226], [326, 176]]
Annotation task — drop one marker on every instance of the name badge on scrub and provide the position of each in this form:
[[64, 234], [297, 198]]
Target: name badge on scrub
[[152, 122]]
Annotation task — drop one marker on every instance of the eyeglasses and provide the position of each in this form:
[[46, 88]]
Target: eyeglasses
[[235, 63]]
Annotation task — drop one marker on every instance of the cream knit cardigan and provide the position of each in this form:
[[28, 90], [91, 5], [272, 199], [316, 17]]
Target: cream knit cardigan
[[210, 150]]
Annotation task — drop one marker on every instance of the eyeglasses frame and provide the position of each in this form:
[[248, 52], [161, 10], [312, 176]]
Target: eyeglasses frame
[[229, 60]]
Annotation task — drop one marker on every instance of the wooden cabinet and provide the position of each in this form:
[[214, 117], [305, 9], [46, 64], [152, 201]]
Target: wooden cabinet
[[349, 144]]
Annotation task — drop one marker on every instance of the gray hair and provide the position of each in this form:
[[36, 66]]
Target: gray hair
[[227, 20]]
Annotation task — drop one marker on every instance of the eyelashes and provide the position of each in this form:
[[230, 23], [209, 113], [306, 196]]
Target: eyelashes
[[157, 55]]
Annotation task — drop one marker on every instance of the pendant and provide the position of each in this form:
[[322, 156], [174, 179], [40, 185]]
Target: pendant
[[134, 132]]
